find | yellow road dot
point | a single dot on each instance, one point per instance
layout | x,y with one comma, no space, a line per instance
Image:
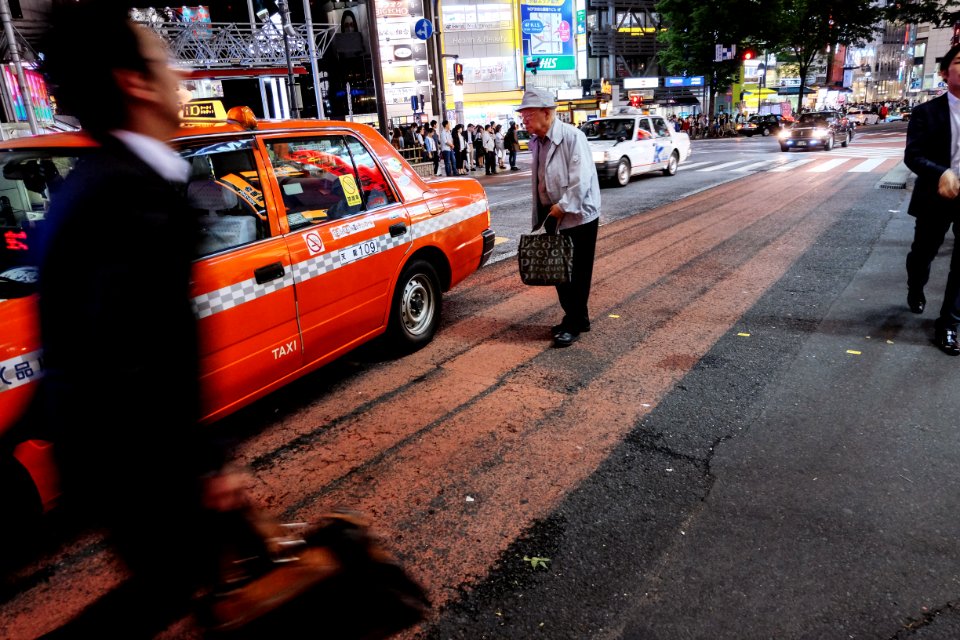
743,335
613,315
500,240
852,352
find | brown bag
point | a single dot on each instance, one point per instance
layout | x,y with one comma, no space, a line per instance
333,576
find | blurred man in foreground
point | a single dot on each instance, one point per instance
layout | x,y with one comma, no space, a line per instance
120,391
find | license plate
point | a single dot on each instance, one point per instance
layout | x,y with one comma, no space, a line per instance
357,251
801,143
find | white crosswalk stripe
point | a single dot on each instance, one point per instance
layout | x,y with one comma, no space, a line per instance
722,166
828,165
868,165
794,164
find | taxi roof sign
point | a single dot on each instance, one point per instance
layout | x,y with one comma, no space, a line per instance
203,112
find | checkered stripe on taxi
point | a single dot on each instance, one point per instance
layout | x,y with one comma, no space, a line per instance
208,304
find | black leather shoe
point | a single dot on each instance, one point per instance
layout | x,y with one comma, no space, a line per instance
560,328
916,301
946,341
567,338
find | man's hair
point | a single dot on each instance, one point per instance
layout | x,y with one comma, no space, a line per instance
948,57
445,122
82,47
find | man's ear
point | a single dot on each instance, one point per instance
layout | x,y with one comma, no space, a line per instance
134,84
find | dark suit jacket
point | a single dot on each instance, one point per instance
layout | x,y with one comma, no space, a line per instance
928,155
120,387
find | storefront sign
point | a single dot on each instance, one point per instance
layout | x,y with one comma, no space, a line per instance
554,45
683,81
641,83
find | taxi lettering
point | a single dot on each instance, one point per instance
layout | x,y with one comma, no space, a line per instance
285,350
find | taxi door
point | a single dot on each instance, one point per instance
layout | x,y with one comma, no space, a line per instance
643,147
663,141
347,234
242,282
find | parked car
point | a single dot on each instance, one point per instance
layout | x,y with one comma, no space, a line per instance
862,116
765,125
523,139
628,145
817,130
316,237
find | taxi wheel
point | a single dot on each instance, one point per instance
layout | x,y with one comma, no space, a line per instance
828,146
672,163
623,173
415,314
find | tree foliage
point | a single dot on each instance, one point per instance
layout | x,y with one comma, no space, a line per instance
802,29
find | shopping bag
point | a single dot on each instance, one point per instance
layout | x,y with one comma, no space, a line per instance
545,259
333,576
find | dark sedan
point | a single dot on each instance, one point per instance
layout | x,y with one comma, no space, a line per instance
817,130
764,125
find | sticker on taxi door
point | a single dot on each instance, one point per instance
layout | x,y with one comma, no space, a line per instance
358,251
350,190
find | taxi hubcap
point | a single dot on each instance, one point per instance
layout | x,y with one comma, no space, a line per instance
622,172
417,308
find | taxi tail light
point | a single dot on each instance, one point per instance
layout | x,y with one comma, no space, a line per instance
242,116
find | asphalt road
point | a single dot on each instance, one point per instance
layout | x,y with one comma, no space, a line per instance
757,439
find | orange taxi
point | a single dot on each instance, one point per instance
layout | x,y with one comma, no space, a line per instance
317,237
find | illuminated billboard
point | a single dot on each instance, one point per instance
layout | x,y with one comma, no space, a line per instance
547,34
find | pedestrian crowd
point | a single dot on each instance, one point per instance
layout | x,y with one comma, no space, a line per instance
460,149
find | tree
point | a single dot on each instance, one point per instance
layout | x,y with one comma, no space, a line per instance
694,29
807,28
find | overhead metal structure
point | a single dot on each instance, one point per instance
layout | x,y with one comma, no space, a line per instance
219,45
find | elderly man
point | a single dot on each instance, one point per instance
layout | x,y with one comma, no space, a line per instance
566,199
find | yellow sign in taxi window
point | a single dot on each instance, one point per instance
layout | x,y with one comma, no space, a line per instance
350,190
204,111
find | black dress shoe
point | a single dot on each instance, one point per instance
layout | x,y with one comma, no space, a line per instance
567,338
946,340
916,301
560,328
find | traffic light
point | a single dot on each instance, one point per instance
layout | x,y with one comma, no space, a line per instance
748,54
457,73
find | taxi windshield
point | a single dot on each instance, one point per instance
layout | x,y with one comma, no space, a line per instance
613,129
28,179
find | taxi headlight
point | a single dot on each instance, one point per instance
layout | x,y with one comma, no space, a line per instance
599,156
820,133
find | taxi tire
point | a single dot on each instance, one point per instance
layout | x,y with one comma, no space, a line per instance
415,312
829,145
622,178
672,164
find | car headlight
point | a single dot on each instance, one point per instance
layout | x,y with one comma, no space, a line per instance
820,133
599,156
784,133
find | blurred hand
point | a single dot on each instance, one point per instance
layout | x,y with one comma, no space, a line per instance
949,184
556,212
226,491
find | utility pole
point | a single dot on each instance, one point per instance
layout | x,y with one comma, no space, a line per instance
291,86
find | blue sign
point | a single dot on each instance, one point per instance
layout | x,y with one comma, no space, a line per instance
414,104
423,29
532,27
549,30
682,81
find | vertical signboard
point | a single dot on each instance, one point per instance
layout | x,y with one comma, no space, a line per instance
481,33
403,57
42,109
547,28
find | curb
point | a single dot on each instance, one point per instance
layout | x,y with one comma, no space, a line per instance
896,178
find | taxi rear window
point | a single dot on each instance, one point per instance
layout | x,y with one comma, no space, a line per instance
28,181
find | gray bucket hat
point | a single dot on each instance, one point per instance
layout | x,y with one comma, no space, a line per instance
534,98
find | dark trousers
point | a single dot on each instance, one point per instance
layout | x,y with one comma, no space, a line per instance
449,162
491,162
435,156
575,294
513,158
927,238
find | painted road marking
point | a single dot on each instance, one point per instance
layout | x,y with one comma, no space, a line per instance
828,165
868,165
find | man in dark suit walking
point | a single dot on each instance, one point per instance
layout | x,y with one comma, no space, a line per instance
933,153
120,392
